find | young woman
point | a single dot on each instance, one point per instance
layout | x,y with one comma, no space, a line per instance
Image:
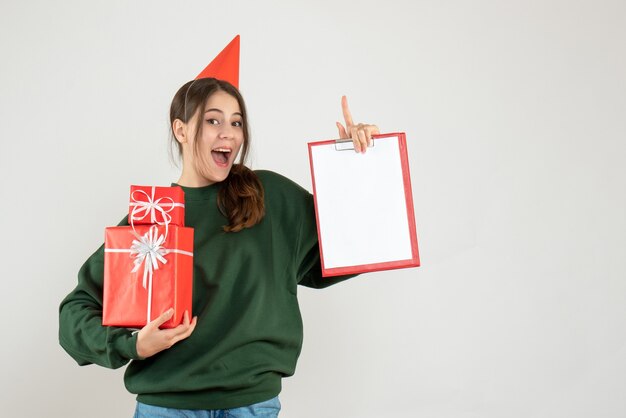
255,241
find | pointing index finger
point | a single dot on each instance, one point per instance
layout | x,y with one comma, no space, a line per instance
346,112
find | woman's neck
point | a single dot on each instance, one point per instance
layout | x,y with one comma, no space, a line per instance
192,180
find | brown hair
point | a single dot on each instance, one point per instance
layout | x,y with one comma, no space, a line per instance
240,199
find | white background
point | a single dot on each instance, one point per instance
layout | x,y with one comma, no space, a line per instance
515,118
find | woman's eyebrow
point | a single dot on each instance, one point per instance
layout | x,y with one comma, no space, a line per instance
218,110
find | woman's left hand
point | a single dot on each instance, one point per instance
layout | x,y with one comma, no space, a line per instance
360,133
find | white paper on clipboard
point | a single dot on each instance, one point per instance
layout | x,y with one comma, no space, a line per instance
364,206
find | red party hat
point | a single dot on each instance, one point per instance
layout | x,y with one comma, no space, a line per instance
226,65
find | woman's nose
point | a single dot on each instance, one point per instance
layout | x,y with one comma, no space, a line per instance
226,132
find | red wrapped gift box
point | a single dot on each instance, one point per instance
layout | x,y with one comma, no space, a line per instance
156,205
147,271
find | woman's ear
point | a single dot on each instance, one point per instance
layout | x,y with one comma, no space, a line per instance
180,131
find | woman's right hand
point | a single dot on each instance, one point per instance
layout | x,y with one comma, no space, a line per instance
151,339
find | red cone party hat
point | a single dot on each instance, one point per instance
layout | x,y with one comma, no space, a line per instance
226,65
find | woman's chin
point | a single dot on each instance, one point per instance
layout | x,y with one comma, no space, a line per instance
218,175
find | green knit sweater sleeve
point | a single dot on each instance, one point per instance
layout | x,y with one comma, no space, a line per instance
81,332
293,207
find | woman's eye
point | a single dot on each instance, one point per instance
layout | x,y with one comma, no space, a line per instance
238,124
212,121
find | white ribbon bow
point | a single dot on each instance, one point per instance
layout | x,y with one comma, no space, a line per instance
141,208
148,251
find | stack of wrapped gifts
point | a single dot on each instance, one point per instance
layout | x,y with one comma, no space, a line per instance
148,266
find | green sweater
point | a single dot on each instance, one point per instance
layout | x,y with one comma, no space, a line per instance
249,330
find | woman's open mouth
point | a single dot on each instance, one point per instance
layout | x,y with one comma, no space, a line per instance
221,156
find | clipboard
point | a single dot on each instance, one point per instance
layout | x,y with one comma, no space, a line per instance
363,205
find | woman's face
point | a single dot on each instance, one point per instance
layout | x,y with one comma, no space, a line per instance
221,137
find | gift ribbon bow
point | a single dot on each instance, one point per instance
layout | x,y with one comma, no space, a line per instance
148,251
143,207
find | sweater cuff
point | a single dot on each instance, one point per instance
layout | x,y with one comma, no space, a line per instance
126,345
